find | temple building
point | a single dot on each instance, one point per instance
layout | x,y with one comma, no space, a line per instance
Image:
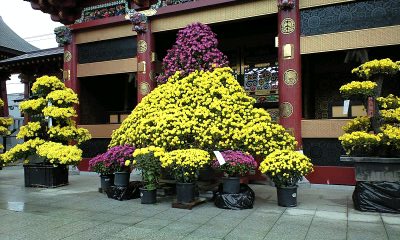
291,56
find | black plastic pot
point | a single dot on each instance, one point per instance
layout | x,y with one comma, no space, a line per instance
185,192
231,184
148,196
287,196
40,175
106,181
121,179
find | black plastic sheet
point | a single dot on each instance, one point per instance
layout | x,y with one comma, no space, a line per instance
236,201
132,191
381,197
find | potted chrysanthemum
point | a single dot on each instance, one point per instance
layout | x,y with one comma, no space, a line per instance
118,155
147,160
285,168
237,164
185,165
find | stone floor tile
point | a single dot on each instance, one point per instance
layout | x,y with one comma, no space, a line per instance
366,231
362,217
391,218
327,229
299,211
153,223
134,233
211,231
331,215
393,231
290,227
181,228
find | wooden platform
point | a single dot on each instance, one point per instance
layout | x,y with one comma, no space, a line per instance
188,206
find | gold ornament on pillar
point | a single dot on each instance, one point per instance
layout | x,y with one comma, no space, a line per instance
286,109
67,56
288,26
144,88
290,77
142,46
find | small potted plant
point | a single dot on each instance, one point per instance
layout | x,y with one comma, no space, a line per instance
185,165
147,160
105,167
285,168
118,155
237,164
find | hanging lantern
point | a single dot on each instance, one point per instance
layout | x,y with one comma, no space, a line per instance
286,4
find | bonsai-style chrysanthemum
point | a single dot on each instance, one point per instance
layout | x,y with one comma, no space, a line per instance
195,49
51,130
205,110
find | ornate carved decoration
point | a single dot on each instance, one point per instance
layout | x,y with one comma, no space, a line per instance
141,46
290,77
63,35
286,4
350,16
115,8
144,88
286,109
288,26
67,56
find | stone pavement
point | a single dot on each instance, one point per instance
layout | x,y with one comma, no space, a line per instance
78,211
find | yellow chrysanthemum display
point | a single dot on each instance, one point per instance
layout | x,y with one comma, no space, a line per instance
362,124
391,137
46,84
33,105
185,163
30,130
147,160
383,66
355,88
205,110
360,143
67,133
63,98
52,130
389,102
5,122
286,167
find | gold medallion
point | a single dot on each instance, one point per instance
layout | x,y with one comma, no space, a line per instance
144,88
290,77
142,46
67,56
286,109
288,26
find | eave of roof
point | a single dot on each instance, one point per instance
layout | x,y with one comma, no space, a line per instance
11,42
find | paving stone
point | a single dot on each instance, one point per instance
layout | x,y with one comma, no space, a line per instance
181,228
172,214
98,231
290,227
362,217
391,218
153,223
134,233
393,231
331,215
366,231
298,211
327,229
128,219
211,231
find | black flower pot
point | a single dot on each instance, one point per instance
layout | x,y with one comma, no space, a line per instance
121,179
185,192
287,196
231,184
43,175
106,181
148,196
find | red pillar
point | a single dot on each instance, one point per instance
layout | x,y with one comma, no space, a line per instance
4,97
290,99
70,69
145,62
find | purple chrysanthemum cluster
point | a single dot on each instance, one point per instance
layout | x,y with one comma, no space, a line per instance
111,161
195,49
237,163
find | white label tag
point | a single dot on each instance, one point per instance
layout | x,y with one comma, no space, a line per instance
220,158
346,105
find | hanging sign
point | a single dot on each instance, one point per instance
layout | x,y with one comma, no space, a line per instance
346,105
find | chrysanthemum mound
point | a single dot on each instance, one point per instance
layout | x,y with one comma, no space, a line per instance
205,110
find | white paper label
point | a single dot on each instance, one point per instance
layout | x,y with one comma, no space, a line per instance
346,104
220,158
